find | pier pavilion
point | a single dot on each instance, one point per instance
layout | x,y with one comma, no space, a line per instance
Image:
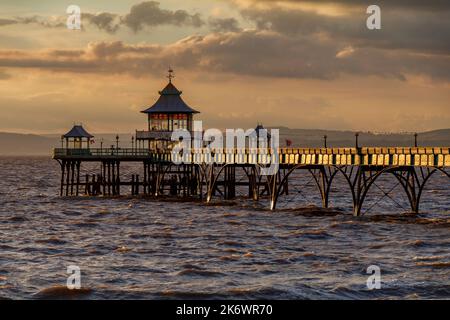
76,136
167,114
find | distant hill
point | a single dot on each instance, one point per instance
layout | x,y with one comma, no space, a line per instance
31,144
14,144
314,138
25,144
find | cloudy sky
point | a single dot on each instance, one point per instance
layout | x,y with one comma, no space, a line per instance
300,64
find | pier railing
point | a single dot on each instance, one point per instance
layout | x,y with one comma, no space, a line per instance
67,152
433,156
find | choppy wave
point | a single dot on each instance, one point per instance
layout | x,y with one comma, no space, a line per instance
140,248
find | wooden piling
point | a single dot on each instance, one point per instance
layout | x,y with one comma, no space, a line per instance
67,178
137,184
78,164
109,177
72,177
86,185
63,165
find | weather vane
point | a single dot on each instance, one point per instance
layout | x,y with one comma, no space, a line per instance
170,76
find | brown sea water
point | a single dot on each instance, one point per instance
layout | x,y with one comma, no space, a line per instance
146,249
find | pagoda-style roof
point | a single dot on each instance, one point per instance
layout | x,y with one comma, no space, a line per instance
170,101
78,132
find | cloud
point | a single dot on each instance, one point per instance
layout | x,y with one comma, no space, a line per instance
433,5
224,25
428,5
104,21
426,32
7,22
144,14
250,52
150,14
52,22
346,52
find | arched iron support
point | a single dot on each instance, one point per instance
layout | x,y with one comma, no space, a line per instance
421,186
212,181
409,185
252,175
409,189
160,178
363,189
347,177
323,183
414,185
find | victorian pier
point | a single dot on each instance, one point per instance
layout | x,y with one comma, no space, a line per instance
206,173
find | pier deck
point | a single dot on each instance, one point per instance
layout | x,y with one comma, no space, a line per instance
402,156
205,173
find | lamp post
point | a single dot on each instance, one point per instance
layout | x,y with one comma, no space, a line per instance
117,142
132,143
101,144
356,140
415,140
62,142
325,140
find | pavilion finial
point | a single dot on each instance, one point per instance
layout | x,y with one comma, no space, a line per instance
170,76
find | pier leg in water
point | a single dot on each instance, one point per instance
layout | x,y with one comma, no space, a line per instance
137,185
63,165
78,178
86,185
72,177
103,169
272,183
67,178
210,183
145,182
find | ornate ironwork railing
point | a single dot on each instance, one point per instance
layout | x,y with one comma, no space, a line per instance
67,152
432,157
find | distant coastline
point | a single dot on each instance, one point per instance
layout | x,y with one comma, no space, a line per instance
16,144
